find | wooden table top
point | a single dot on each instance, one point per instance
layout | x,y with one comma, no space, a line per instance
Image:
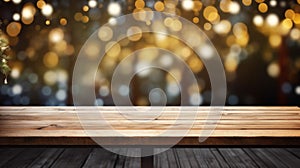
244,125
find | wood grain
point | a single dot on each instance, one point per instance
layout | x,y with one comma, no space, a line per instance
274,125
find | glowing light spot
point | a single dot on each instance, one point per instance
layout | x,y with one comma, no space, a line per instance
40,4
207,26
123,90
159,6
247,2
187,4
15,73
17,1
16,17
289,14
297,90
92,3
114,9
196,20
47,10
275,40
287,24
13,29
17,89
63,21
134,33
61,95
263,8
223,27
272,20
56,35
176,25
295,34
234,7
196,99
206,51
104,91
85,8
47,22
173,89
105,33
273,70
139,4
273,3
50,59
258,20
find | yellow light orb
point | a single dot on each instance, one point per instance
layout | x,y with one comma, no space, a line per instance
105,33
134,33
295,34
196,20
263,7
207,26
139,4
50,60
85,8
159,6
273,70
275,40
247,2
63,21
13,29
56,35
290,14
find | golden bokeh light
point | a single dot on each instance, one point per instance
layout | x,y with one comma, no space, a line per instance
263,7
50,59
105,33
13,29
40,4
223,27
196,20
275,40
63,21
56,35
159,6
85,8
134,33
247,2
290,14
139,4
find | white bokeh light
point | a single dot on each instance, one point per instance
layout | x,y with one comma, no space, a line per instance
187,4
114,9
47,10
92,3
272,20
258,20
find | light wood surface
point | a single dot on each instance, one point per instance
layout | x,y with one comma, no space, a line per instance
122,126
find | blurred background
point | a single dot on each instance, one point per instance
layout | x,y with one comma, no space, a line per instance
257,40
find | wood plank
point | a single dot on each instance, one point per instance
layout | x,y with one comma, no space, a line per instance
72,157
258,161
7,154
285,157
268,158
100,158
205,158
237,157
222,162
46,158
24,158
